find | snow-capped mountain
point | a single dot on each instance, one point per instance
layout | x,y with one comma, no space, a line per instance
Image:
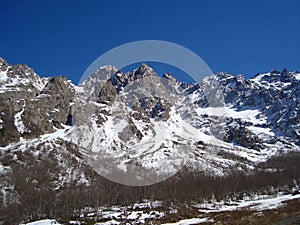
139,123
138,128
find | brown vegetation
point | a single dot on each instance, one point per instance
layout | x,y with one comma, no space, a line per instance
35,180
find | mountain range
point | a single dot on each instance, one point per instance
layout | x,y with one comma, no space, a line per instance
138,128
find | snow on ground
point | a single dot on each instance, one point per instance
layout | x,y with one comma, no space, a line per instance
261,130
119,214
44,222
111,222
59,133
147,204
257,79
133,214
259,203
23,144
297,76
21,82
190,221
18,120
3,76
249,115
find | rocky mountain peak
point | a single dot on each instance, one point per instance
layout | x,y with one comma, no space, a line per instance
278,78
19,77
20,70
39,104
101,74
108,69
107,93
143,71
3,64
56,85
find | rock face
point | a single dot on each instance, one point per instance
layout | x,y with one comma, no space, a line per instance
276,94
31,105
107,94
240,135
51,108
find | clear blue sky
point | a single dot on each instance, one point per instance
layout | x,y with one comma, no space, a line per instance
64,37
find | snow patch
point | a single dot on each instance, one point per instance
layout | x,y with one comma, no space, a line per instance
190,221
18,120
44,222
261,130
259,203
3,76
111,222
249,115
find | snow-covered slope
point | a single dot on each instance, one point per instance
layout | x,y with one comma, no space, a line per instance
138,123
141,123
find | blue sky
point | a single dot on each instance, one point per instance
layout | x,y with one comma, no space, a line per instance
237,36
